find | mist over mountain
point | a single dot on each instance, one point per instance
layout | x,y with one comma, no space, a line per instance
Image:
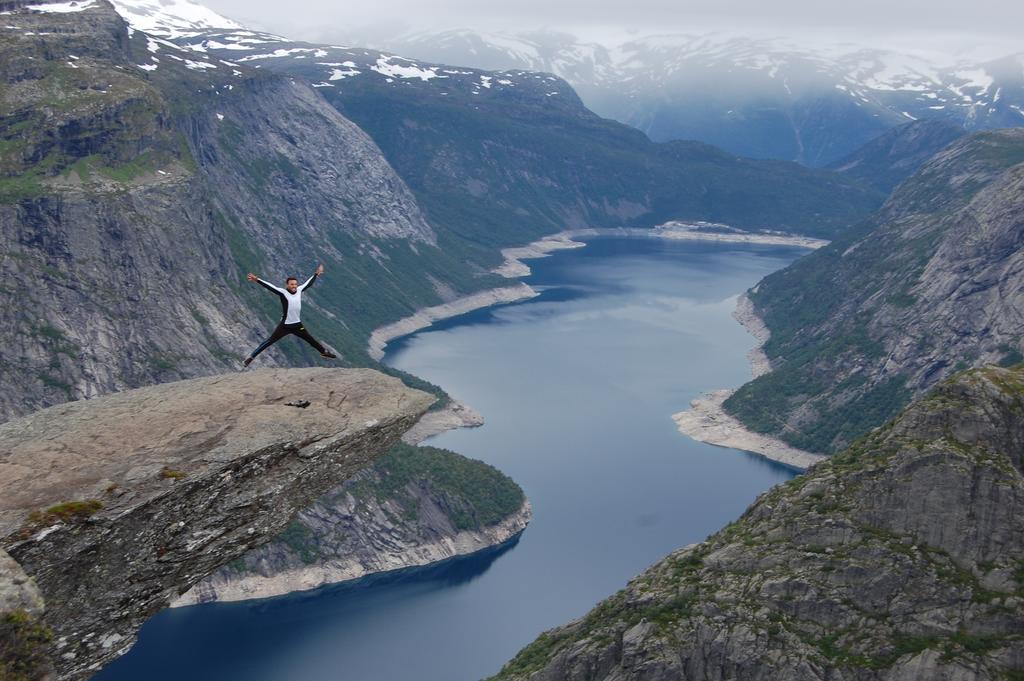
764,97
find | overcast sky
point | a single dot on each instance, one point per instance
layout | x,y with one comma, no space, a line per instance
925,23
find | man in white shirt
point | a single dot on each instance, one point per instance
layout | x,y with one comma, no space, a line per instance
291,307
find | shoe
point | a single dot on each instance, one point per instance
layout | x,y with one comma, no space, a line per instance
329,355
247,361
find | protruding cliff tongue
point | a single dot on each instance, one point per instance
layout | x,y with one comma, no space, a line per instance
116,505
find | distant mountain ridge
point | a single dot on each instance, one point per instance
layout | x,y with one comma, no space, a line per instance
761,97
895,155
757,97
502,157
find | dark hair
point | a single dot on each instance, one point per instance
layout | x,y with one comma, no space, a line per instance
295,279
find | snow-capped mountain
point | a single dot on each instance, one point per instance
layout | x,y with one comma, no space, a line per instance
758,97
218,41
753,96
499,157
170,18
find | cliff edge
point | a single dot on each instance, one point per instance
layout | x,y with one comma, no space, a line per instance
117,505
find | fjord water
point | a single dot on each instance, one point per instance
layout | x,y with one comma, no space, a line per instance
577,387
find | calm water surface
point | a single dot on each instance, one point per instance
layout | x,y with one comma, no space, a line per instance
578,387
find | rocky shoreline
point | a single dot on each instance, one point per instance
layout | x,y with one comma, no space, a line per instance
423,318
351,567
454,415
706,420
513,267
676,230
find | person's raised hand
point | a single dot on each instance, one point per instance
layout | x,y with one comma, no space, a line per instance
320,269
251,277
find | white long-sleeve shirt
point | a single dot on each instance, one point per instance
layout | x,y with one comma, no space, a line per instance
291,303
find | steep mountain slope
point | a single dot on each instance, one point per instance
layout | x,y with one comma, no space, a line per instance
931,284
900,558
138,183
503,157
414,506
754,96
895,155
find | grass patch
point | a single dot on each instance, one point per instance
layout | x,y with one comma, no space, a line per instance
488,496
301,540
168,473
23,647
69,512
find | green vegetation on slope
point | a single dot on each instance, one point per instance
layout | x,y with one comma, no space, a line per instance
470,493
836,314
896,154
23,647
510,168
487,495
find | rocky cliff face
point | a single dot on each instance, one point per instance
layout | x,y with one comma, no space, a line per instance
414,506
139,183
117,505
899,558
930,285
502,157
895,155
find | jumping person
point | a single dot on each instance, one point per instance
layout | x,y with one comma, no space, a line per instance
291,306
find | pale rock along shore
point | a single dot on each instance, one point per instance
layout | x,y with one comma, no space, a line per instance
513,267
454,415
680,231
423,318
707,421
355,566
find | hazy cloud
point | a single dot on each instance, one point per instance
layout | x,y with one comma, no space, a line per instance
926,23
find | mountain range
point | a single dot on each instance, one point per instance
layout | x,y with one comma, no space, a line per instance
152,153
763,97
140,179
499,155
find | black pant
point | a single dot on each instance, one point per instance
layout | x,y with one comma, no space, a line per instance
283,330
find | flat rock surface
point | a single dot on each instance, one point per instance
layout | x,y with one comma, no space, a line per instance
80,450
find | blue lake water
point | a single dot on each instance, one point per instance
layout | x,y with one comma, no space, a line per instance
578,387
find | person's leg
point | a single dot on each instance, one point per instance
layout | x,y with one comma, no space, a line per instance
279,333
306,336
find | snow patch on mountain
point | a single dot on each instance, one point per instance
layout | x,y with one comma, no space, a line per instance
338,74
170,18
62,7
412,70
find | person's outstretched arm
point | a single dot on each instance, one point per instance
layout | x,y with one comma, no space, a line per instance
264,284
309,282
